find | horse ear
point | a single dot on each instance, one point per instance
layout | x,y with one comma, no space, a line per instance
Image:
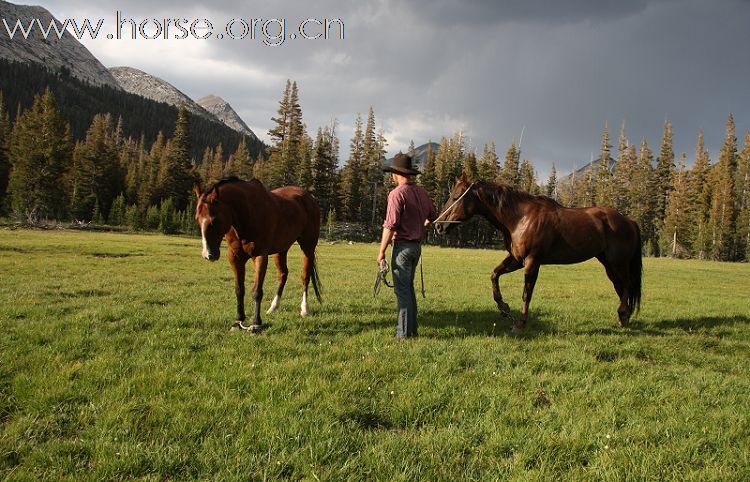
197,189
463,178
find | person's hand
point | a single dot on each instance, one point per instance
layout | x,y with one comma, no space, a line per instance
427,222
381,257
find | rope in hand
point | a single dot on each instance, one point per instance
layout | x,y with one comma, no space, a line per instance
382,277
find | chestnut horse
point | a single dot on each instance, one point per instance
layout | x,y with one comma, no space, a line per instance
257,223
538,230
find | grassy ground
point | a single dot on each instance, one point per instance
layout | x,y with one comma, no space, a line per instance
116,362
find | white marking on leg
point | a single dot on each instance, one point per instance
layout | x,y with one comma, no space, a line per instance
274,304
303,306
203,238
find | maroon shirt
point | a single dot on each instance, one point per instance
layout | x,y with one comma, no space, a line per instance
408,207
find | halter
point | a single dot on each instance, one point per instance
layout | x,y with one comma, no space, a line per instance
451,206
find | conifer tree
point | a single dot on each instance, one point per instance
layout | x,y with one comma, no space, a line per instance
621,174
604,191
742,195
242,165
470,166
663,178
5,129
286,137
642,202
700,199
351,175
551,188
677,227
723,219
40,154
305,169
324,162
176,174
510,172
148,190
527,177
428,179
488,168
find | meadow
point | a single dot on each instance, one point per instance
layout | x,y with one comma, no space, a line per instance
116,362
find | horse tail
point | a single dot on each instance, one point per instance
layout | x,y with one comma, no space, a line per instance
636,273
315,279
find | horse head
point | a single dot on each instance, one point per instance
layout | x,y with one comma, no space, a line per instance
460,206
214,220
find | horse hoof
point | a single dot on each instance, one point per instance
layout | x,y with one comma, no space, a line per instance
255,328
504,308
516,328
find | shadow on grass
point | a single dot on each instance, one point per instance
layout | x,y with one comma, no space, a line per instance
668,327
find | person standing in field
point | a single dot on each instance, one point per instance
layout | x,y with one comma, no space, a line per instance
409,210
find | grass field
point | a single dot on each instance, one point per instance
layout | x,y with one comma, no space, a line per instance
116,362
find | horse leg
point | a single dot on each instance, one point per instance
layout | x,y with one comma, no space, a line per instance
619,277
307,274
283,271
508,265
238,266
261,264
530,275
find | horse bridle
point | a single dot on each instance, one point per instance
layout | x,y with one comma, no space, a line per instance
451,206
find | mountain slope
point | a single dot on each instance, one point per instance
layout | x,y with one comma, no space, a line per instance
64,55
224,112
151,87
420,154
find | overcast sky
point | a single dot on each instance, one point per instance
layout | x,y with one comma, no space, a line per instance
429,67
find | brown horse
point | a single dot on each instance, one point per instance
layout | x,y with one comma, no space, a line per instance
538,230
257,223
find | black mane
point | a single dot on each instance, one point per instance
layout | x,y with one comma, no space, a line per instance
225,180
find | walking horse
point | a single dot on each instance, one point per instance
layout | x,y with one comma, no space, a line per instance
256,224
538,230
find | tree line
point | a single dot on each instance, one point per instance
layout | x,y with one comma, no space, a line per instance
108,177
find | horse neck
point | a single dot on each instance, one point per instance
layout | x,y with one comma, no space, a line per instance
497,212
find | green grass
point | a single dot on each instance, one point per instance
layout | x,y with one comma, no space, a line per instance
116,362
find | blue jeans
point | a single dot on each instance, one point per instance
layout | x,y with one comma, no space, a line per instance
404,265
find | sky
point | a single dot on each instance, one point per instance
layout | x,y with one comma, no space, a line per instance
557,69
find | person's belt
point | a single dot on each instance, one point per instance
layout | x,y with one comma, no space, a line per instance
407,241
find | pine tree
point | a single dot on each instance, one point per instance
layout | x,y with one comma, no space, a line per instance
551,188
133,218
95,174
626,158
470,166
488,168
351,175
117,212
723,219
40,155
176,174
527,177
286,137
5,129
510,172
428,179
242,165
324,162
742,195
642,199
304,171
372,167
700,199
677,226
604,192
148,192
663,178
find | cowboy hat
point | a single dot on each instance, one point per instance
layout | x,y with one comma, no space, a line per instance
401,164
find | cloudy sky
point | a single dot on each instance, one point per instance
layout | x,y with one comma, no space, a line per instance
430,67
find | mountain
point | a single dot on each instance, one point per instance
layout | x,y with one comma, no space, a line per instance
151,87
65,55
590,166
224,112
420,154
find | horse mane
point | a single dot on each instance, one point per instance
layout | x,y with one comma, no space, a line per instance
227,180
501,194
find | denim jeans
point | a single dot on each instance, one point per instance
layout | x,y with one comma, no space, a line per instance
404,265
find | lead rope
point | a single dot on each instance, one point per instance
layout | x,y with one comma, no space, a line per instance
421,276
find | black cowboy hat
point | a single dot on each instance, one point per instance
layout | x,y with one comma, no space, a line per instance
401,164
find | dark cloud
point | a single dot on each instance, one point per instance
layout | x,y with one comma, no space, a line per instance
429,67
